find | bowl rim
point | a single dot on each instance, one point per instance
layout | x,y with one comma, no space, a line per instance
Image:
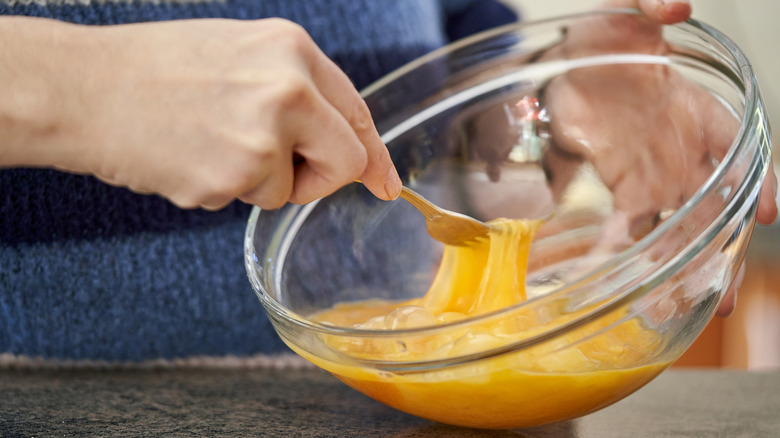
754,174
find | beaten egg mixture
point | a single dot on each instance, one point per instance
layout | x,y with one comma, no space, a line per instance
564,377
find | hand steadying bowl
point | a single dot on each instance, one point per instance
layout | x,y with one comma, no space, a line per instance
653,211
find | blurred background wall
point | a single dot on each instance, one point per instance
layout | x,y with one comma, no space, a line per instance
750,338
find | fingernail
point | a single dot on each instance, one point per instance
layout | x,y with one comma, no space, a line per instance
393,184
686,4
673,11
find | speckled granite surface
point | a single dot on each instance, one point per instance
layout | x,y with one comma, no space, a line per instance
310,403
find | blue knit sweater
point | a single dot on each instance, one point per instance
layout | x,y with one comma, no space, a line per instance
90,271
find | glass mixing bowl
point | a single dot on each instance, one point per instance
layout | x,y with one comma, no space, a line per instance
638,244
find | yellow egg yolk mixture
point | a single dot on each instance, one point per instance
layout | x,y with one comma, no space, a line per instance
566,376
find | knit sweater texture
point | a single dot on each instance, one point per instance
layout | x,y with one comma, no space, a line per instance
94,272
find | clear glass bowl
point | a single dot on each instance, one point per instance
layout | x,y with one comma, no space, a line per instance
617,287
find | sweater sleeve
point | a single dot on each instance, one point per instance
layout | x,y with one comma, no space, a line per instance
467,17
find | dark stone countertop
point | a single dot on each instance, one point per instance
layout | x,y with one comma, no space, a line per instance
310,403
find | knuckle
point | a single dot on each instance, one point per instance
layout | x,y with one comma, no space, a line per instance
291,36
360,118
272,202
294,91
213,191
265,198
185,201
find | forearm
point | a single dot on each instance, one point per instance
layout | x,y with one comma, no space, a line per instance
33,66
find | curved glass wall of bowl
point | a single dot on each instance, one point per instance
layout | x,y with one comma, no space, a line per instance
452,120
426,114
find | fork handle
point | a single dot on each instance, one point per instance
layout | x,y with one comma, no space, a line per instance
430,211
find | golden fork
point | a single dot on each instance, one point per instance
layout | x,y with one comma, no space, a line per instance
446,226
